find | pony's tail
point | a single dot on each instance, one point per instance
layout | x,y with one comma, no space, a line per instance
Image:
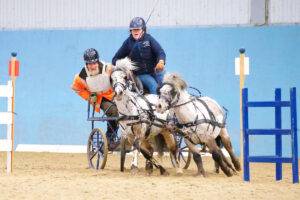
160,144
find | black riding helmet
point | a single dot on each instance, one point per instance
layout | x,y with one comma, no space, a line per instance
91,56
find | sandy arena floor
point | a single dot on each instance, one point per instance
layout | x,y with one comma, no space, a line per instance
65,176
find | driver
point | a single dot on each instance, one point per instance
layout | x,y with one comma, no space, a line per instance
146,53
93,84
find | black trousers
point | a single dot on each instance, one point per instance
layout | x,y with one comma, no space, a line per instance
111,111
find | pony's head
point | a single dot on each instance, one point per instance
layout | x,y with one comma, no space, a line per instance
169,92
122,72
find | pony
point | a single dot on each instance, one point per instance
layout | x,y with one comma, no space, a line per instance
138,119
201,120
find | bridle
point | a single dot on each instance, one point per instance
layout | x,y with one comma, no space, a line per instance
127,84
173,97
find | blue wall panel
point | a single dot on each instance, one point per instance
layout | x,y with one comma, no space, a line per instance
48,112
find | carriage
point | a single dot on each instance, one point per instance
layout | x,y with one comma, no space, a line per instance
98,144
142,115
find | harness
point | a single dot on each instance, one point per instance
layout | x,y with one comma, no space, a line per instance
212,119
150,119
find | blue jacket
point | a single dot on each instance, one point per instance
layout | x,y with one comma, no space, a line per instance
145,52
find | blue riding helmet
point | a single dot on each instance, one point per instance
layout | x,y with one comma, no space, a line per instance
137,23
91,56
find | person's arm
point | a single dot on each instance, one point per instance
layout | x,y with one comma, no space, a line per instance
80,87
157,50
122,52
159,53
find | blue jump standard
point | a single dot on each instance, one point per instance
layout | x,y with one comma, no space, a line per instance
277,131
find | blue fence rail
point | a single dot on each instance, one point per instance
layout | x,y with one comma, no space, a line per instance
277,131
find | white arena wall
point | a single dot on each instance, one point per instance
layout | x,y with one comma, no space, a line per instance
81,14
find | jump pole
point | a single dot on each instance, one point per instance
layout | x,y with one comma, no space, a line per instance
13,71
242,83
241,69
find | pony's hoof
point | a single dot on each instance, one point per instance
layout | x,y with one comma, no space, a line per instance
165,173
229,173
134,169
179,172
149,172
217,171
200,175
237,166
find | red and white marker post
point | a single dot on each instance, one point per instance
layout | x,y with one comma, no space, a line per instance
13,71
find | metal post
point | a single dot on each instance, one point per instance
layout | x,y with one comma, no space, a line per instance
278,137
294,135
246,166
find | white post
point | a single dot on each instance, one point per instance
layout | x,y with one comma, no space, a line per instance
9,130
241,69
6,118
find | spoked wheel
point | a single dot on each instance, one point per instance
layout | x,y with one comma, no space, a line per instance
184,155
97,149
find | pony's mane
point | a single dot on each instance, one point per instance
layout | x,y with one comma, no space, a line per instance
176,80
125,64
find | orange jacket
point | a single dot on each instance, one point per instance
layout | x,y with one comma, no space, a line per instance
80,87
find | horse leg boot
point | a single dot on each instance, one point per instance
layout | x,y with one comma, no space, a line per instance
217,156
171,144
227,144
196,156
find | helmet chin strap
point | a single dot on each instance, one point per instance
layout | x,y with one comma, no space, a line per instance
140,35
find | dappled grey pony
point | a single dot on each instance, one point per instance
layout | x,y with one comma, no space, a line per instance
140,121
201,120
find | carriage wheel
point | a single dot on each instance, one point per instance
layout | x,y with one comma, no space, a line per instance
184,155
97,149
